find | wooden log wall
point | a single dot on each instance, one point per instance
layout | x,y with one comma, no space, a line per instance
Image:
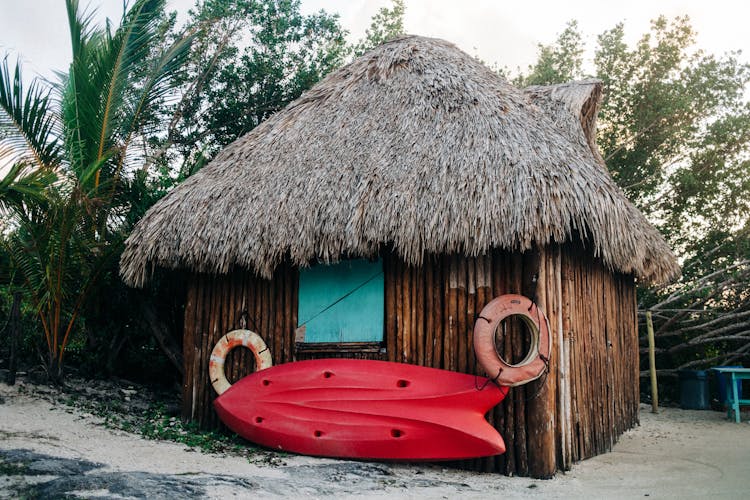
216,305
589,397
600,341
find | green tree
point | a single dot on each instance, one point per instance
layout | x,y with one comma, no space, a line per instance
674,130
557,63
385,25
249,59
87,130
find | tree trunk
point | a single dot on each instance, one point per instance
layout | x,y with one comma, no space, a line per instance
14,332
54,370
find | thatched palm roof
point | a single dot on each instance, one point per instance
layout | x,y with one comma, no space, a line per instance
415,145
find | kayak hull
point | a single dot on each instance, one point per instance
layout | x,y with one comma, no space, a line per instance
364,409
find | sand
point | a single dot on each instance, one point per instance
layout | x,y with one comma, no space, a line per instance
674,454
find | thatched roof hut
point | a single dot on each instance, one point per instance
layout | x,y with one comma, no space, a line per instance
464,187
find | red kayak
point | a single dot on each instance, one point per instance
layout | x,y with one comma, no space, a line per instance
365,409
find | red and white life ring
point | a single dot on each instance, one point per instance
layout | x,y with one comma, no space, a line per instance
235,338
535,363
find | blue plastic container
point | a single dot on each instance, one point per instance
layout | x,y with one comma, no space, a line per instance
694,394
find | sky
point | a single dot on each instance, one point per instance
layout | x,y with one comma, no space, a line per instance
501,33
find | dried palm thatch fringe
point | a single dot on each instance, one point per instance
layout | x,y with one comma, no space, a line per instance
415,145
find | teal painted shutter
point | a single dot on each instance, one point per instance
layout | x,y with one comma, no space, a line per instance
358,317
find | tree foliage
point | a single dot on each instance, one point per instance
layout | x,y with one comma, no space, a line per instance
386,24
249,59
142,106
557,63
84,134
674,130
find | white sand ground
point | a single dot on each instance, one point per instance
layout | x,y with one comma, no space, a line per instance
675,454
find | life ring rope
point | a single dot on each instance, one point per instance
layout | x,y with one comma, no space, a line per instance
233,339
536,361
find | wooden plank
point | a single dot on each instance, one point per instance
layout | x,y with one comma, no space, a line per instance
471,313
290,322
565,336
391,314
461,310
445,310
201,323
438,310
521,274
276,316
405,333
414,351
210,340
232,368
453,292
540,407
188,346
339,347
429,311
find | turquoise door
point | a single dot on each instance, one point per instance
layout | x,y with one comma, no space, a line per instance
343,302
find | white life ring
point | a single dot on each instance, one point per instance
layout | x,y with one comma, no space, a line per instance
235,338
536,361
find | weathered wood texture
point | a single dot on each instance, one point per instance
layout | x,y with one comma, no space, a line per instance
218,304
588,398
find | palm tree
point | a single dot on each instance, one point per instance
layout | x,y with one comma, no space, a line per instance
73,148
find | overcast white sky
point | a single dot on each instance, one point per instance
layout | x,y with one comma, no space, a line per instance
498,31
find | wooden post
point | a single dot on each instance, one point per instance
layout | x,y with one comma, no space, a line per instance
652,363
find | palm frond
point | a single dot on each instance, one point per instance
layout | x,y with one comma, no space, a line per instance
157,84
22,185
96,95
126,49
29,128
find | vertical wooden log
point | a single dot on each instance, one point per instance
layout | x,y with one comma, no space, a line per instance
429,311
399,269
461,310
210,340
438,312
406,325
471,313
203,341
267,319
391,316
276,314
257,306
652,363
290,305
447,318
282,311
419,311
417,328
635,373
567,394
188,347
242,313
200,331
522,272
239,317
227,320
541,407
451,349
591,355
